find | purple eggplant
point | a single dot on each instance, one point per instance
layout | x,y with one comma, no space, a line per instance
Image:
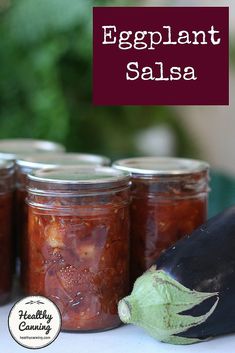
188,295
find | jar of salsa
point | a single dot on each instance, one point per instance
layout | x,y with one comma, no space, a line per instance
6,203
13,147
26,165
78,247
168,201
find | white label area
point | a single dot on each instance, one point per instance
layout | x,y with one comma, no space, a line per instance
34,322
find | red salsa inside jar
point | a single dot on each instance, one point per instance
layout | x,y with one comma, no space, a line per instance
6,251
27,164
78,243
168,201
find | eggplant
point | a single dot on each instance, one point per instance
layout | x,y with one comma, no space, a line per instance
188,295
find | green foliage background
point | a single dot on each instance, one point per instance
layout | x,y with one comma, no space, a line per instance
46,87
46,83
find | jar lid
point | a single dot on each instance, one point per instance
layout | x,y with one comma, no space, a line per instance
7,168
18,146
6,164
161,166
48,160
76,177
8,156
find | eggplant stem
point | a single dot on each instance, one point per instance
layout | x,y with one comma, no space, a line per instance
124,311
157,303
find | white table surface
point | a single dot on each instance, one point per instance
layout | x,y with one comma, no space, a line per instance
125,339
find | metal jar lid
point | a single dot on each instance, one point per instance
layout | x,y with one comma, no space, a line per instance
6,165
18,146
7,172
76,178
50,160
161,166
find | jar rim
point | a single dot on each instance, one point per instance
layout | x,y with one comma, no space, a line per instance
24,145
84,176
50,160
6,164
161,166
8,156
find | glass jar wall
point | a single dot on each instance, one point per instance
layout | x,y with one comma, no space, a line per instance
28,164
6,219
78,243
168,201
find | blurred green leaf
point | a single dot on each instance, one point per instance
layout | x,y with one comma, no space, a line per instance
29,21
46,83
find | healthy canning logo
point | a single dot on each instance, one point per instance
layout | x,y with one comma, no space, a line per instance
34,322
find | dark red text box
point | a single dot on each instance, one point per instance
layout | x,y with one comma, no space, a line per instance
209,61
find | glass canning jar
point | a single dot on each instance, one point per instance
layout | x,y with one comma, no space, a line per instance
6,204
13,147
168,201
78,243
28,164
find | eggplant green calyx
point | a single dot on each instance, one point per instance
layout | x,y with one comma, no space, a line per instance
156,304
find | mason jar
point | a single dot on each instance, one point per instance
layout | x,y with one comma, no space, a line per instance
168,201
14,147
6,207
26,165
78,243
